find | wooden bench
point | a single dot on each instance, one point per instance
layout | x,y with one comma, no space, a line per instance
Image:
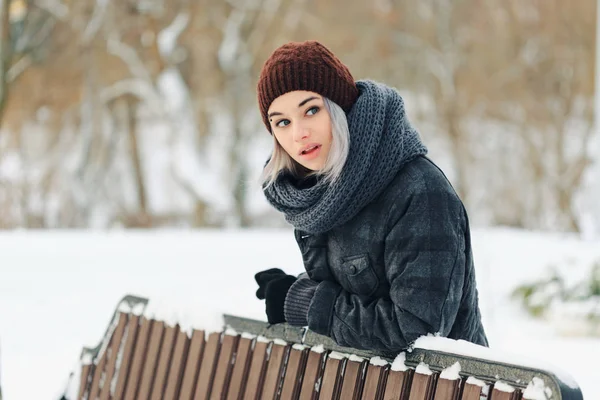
142,358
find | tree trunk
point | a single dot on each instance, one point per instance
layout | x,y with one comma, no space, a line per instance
460,151
238,146
136,157
5,54
126,108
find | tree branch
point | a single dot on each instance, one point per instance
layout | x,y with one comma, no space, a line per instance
92,28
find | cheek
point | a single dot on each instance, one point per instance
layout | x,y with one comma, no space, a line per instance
284,143
323,127
329,132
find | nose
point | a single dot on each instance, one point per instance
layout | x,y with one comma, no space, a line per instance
301,133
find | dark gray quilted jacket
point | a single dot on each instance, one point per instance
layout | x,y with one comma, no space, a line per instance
401,268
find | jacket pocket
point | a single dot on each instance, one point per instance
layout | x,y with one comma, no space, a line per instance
361,277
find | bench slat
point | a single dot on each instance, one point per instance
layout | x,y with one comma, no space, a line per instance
207,368
447,389
240,369
273,374
112,352
422,386
500,395
361,380
471,392
313,371
97,372
137,365
294,373
150,361
128,350
374,382
224,367
397,385
331,379
256,371
353,380
164,362
85,371
192,364
174,379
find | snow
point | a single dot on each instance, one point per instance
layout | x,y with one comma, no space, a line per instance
503,387
378,362
167,39
72,388
230,332
536,390
474,381
423,369
465,348
355,358
451,373
399,363
318,349
59,291
337,355
246,335
262,339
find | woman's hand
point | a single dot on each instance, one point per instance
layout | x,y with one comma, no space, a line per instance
273,285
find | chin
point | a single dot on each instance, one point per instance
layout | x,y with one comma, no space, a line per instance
313,167
309,167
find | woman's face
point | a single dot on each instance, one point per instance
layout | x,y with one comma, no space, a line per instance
302,126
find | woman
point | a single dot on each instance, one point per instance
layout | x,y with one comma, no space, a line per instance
384,238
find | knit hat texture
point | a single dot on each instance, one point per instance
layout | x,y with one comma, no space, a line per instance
306,66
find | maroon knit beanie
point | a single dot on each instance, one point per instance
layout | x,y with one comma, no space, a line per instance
306,66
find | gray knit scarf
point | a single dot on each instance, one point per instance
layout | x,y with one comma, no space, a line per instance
382,141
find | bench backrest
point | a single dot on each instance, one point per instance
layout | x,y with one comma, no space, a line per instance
142,358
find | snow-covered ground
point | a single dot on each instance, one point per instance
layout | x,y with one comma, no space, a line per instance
58,290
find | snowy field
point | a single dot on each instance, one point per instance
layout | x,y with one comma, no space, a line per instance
59,289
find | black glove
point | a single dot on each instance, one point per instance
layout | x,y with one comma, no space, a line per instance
273,285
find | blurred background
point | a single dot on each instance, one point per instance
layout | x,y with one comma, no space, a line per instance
138,116
143,113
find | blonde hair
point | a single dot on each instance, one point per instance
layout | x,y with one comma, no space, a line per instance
338,153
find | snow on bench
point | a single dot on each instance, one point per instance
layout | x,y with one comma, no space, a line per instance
141,357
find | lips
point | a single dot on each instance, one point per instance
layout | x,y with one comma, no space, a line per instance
309,149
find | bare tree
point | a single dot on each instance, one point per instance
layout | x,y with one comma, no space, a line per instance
236,37
543,95
5,52
510,88
25,36
505,89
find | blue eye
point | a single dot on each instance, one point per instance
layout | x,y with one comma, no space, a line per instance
313,110
278,124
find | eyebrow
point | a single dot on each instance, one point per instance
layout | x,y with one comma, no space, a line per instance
303,102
